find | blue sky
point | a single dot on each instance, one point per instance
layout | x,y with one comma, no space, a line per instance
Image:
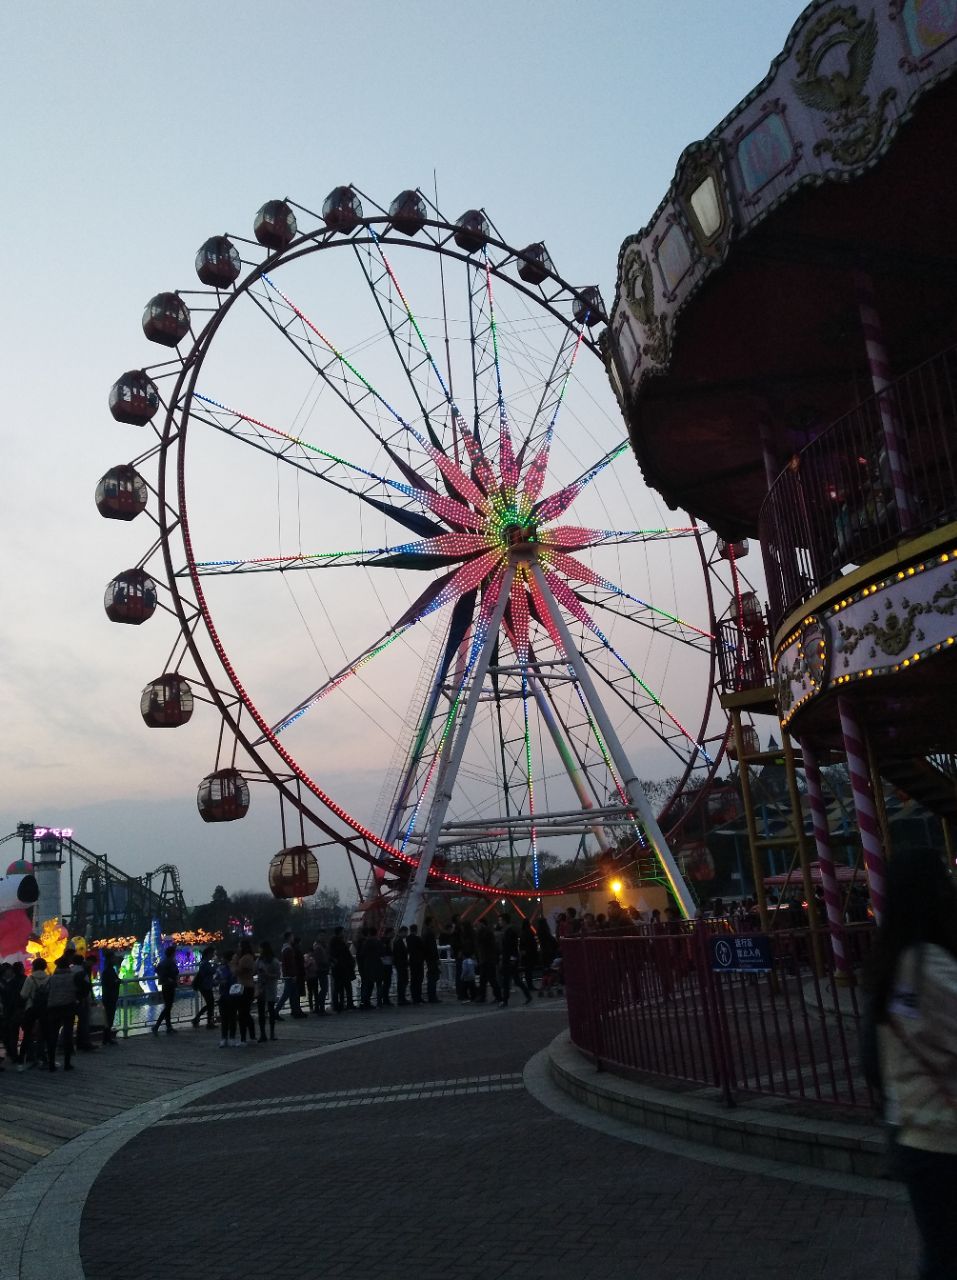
132,133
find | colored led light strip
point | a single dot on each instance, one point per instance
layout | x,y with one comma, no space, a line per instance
446,544
578,572
506,454
535,476
447,508
567,597
551,507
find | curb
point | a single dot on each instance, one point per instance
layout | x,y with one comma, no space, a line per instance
699,1116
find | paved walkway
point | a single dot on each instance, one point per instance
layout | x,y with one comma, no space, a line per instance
391,1146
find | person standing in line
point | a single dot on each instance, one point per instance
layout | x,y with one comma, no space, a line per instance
80,968
312,980
203,985
268,974
33,994
12,978
290,990
468,964
227,1001
384,984
510,962
109,994
320,956
431,944
167,971
416,949
455,942
368,953
912,984
244,968
342,969
300,963
486,951
62,997
400,961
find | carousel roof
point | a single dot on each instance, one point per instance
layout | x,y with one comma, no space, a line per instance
735,312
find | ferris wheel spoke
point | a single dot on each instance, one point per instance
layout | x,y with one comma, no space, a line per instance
569,601
573,538
575,571
538,468
551,507
446,508
457,479
430,553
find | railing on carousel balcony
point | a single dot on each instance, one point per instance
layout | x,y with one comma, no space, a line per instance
835,507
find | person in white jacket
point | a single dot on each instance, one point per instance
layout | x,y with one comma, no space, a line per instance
913,982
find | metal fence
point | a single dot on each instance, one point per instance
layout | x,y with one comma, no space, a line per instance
655,1004
837,504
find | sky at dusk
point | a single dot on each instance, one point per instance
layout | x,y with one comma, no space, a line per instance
133,133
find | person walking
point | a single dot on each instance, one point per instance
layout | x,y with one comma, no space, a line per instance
416,950
528,953
109,994
486,952
244,969
510,961
33,995
204,985
430,943
912,984
268,975
290,978
400,962
167,972
227,1001
312,980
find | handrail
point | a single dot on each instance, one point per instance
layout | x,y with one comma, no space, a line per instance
833,507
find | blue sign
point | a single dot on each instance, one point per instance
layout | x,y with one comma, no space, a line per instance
741,953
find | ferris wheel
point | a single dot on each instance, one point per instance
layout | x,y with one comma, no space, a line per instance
409,558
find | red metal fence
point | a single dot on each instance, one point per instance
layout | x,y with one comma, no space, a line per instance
835,504
653,1004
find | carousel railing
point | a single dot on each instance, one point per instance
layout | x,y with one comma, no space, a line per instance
884,472
659,1005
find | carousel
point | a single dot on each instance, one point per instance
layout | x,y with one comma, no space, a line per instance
782,344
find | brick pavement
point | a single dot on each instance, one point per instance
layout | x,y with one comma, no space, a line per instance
268,1179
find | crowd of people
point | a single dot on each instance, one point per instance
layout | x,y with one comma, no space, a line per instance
244,989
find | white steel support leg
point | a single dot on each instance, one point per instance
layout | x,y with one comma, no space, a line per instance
633,789
572,767
440,806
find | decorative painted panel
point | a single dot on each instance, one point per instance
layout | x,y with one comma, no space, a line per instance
907,617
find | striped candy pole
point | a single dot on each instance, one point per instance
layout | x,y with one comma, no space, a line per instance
881,378
822,840
864,805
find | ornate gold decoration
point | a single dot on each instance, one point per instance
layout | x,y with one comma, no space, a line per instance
892,635
638,289
840,95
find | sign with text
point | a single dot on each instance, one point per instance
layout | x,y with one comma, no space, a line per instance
741,953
